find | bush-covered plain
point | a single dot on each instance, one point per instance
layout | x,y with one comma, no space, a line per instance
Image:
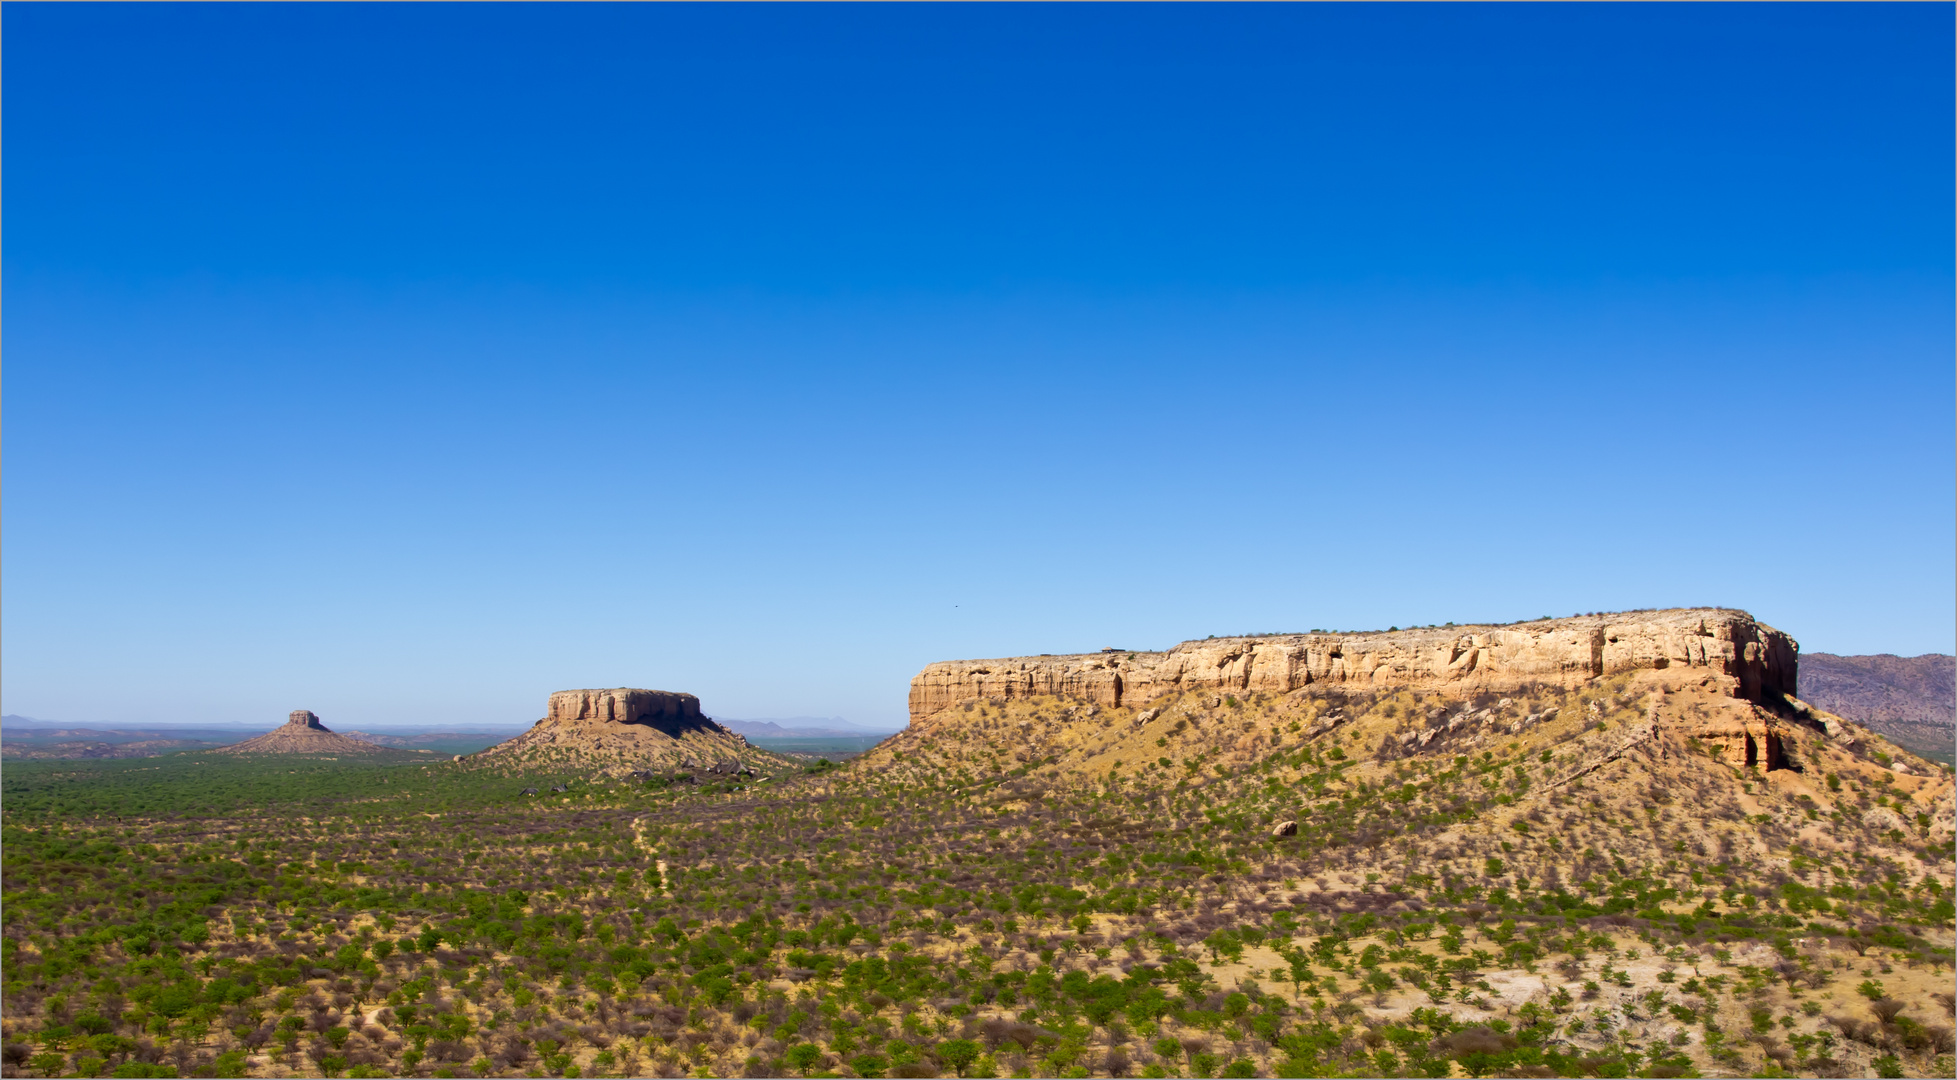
971,911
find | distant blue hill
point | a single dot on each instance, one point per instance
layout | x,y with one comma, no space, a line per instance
229,731
803,727
25,723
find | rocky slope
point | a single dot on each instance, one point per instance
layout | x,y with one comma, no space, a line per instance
302,733
1728,677
1649,776
1910,700
1707,693
623,730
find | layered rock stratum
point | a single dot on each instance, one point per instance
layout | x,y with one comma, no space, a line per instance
302,733
625,729
1755,661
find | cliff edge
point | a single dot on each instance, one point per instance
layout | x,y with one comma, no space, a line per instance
1748,659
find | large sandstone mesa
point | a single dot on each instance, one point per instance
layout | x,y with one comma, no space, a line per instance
1753,661
623,727
1733,678
302,733
1619,699
672,714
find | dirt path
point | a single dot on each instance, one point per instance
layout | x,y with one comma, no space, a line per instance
639,841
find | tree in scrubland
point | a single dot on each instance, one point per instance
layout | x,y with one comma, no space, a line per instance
959,1054
802,1057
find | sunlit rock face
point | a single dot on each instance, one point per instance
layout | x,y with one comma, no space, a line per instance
1749,660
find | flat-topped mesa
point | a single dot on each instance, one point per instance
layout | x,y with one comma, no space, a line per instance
673,714
621,729
1755,662
302,733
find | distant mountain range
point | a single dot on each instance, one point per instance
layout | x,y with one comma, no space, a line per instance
28,723
800,727
233,731
1911,701
21,730
428,738
50,749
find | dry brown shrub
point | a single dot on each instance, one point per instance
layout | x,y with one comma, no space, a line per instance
1475,1040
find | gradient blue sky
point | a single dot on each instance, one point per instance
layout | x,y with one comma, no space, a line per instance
407,363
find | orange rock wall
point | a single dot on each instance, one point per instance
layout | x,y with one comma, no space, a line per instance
624,706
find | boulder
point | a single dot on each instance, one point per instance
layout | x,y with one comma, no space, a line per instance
1882,819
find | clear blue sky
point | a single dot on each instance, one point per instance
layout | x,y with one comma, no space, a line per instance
407,363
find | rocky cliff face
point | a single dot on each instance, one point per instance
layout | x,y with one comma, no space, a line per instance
1750,660
669,713
1705,693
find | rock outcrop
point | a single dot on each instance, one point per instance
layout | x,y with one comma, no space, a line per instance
1750,660
1709,682
1655,708
621,730
668,713
302,733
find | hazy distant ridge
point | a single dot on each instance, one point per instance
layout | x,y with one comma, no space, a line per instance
794,727
1910,700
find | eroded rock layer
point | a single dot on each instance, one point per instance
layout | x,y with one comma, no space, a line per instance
669,713
1751,660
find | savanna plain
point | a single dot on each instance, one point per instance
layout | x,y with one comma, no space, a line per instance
1613,845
